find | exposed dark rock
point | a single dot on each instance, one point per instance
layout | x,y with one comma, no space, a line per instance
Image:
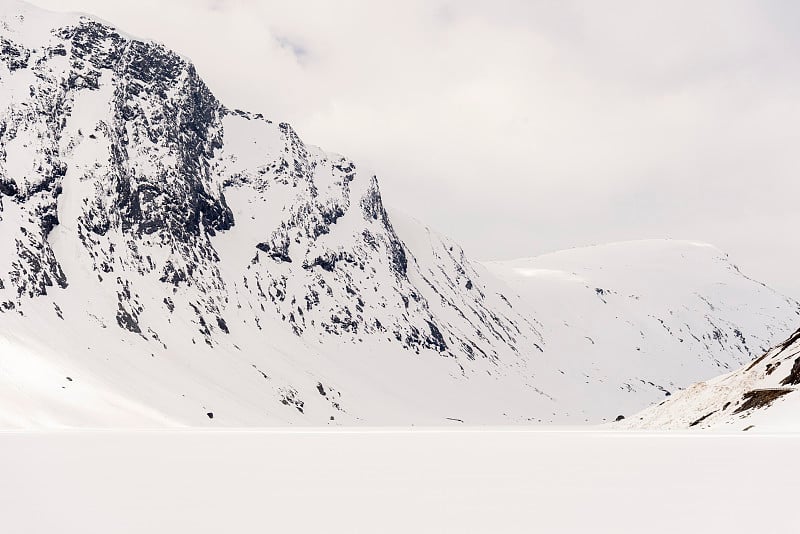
436,339
793,378
279,253
13,55
759,398
8,187
223,325
127,321
700,420
794,338
289,397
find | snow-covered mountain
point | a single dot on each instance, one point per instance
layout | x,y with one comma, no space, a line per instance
640,317
761,396
166,260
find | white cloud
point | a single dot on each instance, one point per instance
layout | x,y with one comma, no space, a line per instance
524,126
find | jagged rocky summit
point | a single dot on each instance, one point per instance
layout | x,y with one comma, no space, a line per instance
166,260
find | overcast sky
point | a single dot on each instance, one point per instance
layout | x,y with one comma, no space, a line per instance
522,127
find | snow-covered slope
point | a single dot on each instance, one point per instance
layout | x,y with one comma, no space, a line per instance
169,261
761,396
633,320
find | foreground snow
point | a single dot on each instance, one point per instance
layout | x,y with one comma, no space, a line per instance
396,481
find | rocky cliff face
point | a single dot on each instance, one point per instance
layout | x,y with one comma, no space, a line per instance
149,165
185,259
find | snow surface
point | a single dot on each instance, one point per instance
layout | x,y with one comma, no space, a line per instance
396,480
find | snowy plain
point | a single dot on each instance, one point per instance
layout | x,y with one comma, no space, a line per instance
396,480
